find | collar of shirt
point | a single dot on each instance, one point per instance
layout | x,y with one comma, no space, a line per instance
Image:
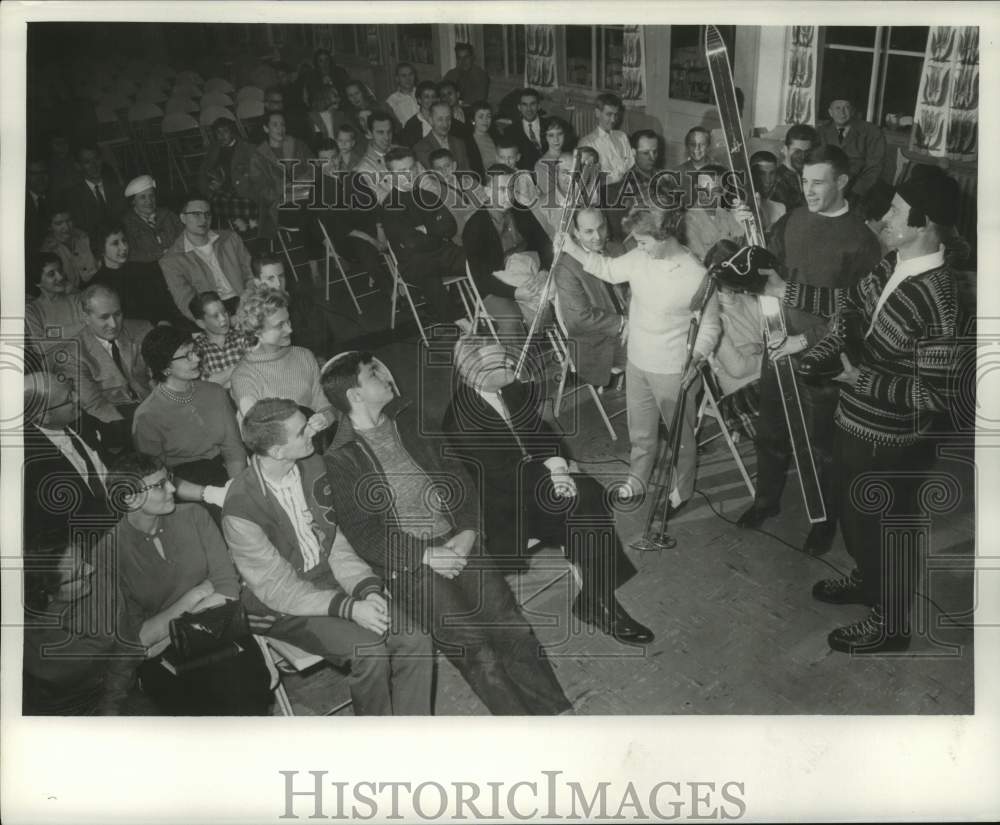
537,124
94,184
837,212
190,247
290,478
905,269
104,342
495,400
63,441
158,531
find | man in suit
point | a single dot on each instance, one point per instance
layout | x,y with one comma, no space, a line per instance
37,208
441,137
495,426
527,131
862,142
64,475
448,92
419,126
99,199
107,366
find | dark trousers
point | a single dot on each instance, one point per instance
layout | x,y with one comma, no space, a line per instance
425,270
389,675
583,526
878,507
774,450
476,623
240,686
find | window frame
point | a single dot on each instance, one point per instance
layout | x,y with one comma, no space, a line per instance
508,46
598,60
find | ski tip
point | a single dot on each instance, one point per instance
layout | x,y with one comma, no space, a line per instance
713,39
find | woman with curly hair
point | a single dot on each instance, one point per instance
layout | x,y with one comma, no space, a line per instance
273,368
559,139
665,279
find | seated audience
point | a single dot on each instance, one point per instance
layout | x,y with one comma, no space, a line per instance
327,116
481,145
592,310
710,218
98,199
419,125
862,142
527,131
53,316
494,424
800,139
697,142
346,142
220,344
323,74
187,423
612,145
764,168
140,286
559,139
305,583
403,102
460,191
471,81
448,93
273,368
37,205
149,229
71,245
361,104
426,549
107,363
224,176
203,259
441,136
172,560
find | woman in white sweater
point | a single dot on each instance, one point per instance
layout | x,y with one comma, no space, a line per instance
664,278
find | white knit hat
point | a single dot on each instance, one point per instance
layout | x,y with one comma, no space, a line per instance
139,184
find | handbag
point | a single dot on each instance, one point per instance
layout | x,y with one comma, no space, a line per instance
196,635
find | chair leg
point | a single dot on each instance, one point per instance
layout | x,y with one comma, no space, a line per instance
281,697
347,282
413,309
603,412
729,441
326,279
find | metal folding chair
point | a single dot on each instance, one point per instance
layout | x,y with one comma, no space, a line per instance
400,287
710,407
287,658
338,264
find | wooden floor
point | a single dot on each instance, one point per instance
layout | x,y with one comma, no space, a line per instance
737,631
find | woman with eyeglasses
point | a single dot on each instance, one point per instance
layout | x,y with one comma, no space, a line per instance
187,423
171,560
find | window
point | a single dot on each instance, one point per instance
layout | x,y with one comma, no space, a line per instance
876,67
593,57
348,40
504,50
416,44
689,79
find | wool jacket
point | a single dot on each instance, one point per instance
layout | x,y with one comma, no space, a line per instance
266,552
187,274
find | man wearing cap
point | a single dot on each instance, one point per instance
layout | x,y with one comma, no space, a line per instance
862,142
149,229
906,316
203,260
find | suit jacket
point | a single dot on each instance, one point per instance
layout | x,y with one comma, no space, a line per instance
55,492
484,252
864,145
529,152
36,223
592,320
87,214
187,274
423,148
413,131
401,224
99,383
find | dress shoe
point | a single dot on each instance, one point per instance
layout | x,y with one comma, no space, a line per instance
755,516
870,635
613,620
845,590
820,538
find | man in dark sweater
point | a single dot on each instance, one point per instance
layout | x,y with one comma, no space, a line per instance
906,319
417,524
822,244
419,228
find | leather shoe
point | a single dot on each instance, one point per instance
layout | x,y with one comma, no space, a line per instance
820,538
613,620
755,516
870,635
844,590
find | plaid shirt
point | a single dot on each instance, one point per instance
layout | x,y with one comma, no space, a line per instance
216,359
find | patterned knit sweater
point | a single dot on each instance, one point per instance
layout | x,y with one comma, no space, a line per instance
292,372
908,373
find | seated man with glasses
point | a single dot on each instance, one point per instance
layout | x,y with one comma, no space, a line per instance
202,260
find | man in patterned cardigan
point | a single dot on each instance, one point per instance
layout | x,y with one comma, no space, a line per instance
906,318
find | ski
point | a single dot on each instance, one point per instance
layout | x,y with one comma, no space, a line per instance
773,318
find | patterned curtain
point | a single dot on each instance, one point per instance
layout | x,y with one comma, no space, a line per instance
633,67
800,75
540,57
946,123
463,33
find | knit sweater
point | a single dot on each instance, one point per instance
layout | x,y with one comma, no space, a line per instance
660,308
822,251
178,433
291,372
907,372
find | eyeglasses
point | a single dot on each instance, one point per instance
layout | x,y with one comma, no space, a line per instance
198,214
190,355
159,485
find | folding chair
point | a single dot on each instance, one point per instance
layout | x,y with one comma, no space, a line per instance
249,93
190,77
249,115
113,136
153,93
184,105
146,123
185,90
400,287
210,114
710,407
216,99
287,658
559,339
472,301
331,253
185,147
218,84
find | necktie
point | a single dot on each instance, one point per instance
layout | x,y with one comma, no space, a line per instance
534,135
99,192
117,356
93,480
840,133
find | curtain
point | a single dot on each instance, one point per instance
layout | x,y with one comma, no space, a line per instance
463,33
540,57
946,122
633,67
799,94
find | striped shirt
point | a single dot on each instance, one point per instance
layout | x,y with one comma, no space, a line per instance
289,494
908,369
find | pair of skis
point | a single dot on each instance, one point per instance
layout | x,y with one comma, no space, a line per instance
773,319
